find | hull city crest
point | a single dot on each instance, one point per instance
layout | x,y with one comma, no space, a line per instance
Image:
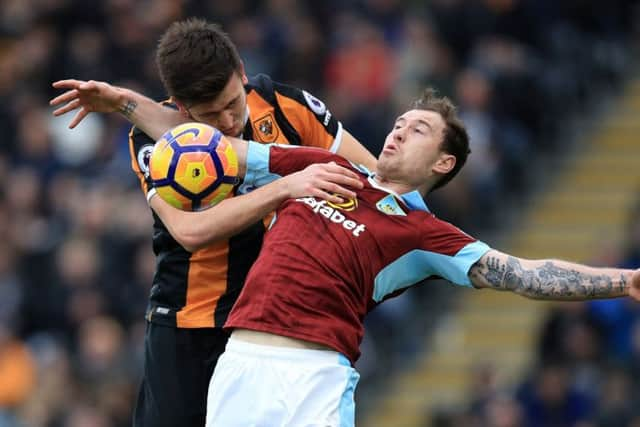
265,128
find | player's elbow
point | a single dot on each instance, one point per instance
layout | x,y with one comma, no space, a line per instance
191,239
188,245
193,242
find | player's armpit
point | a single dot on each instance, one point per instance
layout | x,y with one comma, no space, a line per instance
548,279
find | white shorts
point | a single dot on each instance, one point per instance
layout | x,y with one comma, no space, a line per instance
257,385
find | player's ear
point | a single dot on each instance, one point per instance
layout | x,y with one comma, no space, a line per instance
445,163
181,108
243,74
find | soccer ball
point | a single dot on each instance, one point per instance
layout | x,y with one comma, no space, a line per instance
193,166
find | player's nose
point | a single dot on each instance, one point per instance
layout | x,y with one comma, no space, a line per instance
398,135
226,120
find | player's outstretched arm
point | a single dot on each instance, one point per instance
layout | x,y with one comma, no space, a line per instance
552,279
352,150
86,97
194,230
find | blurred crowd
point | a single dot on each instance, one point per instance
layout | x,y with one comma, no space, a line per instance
586,370
75,248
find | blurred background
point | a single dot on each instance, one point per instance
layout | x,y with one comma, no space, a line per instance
550,93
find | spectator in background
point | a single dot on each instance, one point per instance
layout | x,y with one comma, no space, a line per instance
549,399
17,366
633,363
504,411
618,400
617,319
103,369
632,246
474,93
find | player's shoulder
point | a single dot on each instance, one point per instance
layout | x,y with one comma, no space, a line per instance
259,82
262,83
268,89
434,226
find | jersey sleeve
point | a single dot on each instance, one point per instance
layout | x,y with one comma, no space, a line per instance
140,148
310,117
445,251
268,162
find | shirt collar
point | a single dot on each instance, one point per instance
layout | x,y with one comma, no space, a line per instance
246,121
246,115
413,199
362,169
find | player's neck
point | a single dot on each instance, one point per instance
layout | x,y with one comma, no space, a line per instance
391,186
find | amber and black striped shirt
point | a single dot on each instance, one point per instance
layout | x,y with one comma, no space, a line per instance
197,290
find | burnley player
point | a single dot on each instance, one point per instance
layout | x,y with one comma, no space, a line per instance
298,323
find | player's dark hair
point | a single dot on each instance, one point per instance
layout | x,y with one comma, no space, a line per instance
195,59
456,139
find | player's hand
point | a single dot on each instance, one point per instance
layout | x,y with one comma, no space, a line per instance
327,181
634,286
86,97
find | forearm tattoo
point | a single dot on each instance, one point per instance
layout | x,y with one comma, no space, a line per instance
548,280
128,108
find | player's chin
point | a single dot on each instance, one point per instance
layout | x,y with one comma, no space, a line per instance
384,160
235,131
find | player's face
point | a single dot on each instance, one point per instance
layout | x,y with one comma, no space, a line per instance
228,111
411,152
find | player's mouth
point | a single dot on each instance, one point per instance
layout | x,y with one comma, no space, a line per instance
390,148
232,131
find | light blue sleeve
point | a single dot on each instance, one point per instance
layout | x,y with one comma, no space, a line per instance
418,265
258,173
